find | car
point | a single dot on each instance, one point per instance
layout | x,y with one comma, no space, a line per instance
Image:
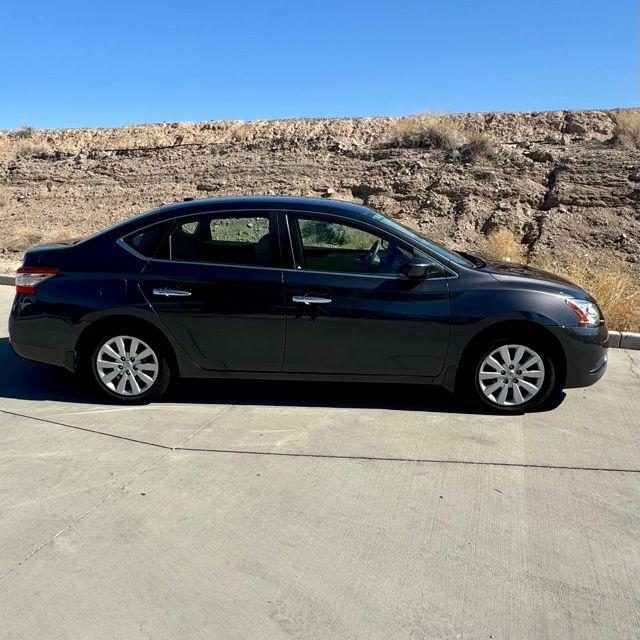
300,289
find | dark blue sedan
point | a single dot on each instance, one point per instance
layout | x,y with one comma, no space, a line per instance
303,289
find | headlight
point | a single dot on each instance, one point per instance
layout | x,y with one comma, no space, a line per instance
588,312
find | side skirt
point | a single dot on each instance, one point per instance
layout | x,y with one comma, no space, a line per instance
311,377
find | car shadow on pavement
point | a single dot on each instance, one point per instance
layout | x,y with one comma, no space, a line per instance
26,380
352,395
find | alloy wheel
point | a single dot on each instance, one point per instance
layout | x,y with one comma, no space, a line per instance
511,375
127,365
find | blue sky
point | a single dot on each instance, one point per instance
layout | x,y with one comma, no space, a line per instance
92,63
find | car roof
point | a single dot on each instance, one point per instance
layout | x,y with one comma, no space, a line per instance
265,202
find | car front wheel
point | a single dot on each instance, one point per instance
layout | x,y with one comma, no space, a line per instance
131,369
510,376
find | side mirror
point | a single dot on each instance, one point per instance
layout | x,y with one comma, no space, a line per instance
420,268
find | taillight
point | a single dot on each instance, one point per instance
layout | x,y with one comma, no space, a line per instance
28,278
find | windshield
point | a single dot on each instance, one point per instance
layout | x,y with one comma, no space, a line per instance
441,251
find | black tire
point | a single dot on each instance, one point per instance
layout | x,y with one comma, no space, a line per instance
471,388
153,391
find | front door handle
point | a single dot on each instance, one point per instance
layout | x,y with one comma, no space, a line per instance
311,300
171,293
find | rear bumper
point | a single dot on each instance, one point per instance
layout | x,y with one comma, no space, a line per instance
39,337
586,351
46,355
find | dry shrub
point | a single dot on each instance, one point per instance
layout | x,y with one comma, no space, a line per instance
504,245
242,132
426,131
617,294
614,286
480,145
31,151
22,238
62,235
25,131
627,128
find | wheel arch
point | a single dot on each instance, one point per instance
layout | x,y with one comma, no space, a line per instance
112,324
515,329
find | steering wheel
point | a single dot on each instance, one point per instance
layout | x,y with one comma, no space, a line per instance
371,256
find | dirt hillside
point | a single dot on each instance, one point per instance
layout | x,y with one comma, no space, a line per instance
562,181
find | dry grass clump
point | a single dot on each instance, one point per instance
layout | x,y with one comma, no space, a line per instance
431,131
616,287
627,128
426,131
504,245
25,131
618,296
242,132
24,238
62,235
480,145
31,151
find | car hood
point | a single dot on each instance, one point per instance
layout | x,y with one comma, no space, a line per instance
523,275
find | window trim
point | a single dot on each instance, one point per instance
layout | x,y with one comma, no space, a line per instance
285,249
122,242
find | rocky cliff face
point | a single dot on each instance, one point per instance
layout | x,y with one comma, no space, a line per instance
556,179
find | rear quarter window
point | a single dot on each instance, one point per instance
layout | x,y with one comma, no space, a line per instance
146,241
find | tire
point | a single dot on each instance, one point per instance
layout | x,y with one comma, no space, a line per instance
525,375
129,367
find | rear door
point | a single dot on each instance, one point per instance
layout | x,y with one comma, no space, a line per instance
351,311
216,284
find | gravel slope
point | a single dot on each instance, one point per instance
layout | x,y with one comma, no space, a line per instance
556,179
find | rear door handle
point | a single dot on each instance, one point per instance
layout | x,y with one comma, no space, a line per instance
171,293
311,300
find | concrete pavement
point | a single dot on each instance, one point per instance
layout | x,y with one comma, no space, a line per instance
255,510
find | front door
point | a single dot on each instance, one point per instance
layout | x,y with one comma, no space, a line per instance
218,289
350,310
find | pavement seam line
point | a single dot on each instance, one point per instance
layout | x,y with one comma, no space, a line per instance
169,451
324,456
86,430
333,456
632,363
81,516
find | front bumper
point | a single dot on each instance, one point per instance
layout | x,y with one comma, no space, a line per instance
586,351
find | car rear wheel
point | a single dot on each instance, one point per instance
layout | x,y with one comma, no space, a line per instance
131,369
512,376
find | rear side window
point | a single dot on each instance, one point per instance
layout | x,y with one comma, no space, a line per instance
147,241
240,239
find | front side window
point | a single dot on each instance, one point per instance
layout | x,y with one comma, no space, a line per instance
222,239
328,245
